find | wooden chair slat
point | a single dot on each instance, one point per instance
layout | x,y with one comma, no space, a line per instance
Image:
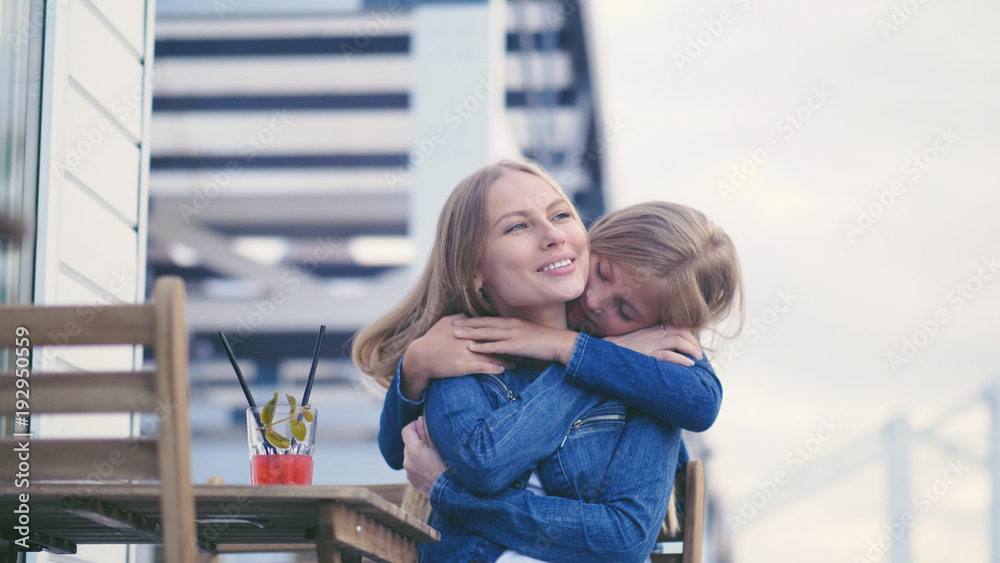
694,511
392,492
87,392
85,460
690,482
78,324
171,345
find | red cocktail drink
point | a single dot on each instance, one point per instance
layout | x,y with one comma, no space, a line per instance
282,469
282,440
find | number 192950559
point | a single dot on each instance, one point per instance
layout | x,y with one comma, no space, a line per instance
22,371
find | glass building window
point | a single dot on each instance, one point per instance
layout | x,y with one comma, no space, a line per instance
20,52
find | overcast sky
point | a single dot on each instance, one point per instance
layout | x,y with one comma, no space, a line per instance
867,134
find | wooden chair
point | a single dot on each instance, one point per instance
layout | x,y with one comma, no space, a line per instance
406,497
163,391
690,486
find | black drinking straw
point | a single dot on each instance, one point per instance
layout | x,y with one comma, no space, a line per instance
246,389
312,370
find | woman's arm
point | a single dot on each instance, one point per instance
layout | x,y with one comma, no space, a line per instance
397,412
621,525
440,354
687,396
487,449
436,354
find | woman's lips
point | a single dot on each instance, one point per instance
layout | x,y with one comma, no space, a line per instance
561,270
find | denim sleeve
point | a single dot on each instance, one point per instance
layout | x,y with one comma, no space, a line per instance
685,397
487,449
622,525
397,412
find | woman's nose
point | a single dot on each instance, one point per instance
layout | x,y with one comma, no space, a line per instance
553,236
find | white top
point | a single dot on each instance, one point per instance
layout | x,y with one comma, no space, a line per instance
511,556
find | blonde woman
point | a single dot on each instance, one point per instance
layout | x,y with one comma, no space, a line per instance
655,266
510,243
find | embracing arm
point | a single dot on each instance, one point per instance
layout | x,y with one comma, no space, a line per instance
621,525
397,412
687,397
436,354
486,449
670,386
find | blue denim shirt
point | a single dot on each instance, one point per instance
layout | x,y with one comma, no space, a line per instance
615,516
685,397
597,461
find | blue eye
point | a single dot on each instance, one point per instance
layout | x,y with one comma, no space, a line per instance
516,227
562,215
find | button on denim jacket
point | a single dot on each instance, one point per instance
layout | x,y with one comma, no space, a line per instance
618,460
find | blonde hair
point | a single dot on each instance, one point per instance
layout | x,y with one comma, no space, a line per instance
447,286
680,248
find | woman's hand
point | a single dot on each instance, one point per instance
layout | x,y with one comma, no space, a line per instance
421,460
439,354
662,343
517,337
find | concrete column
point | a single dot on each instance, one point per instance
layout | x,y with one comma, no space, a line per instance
898,451
994,468
457,102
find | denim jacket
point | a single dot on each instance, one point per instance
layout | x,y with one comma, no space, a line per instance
607,469
597,458
685,397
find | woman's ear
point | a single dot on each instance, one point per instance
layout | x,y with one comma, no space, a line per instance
478,281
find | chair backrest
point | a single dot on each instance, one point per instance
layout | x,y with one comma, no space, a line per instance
404,495
164,391
690,487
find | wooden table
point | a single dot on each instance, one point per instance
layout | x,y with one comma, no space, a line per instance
341,523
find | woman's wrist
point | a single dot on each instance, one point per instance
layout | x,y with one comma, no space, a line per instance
565,345
412,381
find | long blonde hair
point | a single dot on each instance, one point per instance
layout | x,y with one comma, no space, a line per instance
447,286
678,247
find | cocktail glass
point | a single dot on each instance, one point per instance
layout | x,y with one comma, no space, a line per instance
285,458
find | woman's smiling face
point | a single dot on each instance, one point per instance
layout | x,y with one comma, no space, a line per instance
536,257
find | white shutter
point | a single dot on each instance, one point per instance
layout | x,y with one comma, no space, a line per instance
93,188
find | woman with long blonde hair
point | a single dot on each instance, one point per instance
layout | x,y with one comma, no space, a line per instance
510,243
